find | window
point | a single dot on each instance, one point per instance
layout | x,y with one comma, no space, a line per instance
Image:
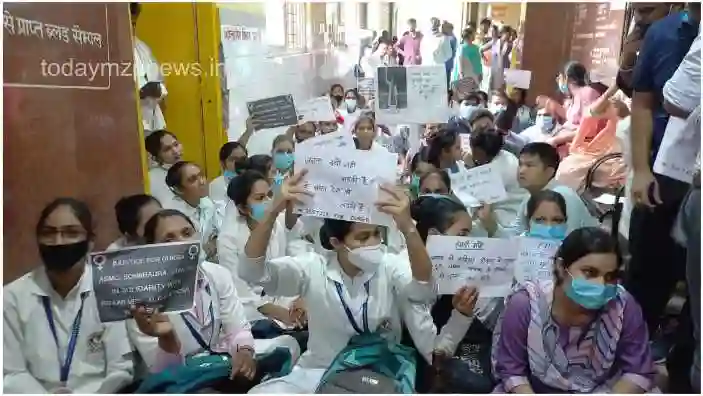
335,25
295,26
363,15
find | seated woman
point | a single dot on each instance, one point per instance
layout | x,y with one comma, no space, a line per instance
249,199
53,306
525,116
572,81
132,213
164,150
596,138
189,186
216,323
232,156
580,333
283,154
445,153
418,168
546,216
358,288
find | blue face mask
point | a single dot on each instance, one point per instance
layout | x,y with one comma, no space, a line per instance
563,88
590,295
465,111
258,210
229,175
544,231
545,122
283,161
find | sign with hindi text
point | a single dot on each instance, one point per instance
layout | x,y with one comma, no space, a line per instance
158,276
483,183
535,259
411,95
274,112
317,109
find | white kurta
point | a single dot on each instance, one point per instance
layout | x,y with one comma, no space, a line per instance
157,184
147,69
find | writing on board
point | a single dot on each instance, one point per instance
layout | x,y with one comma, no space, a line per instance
486,263
274,112
484,183
345,182
15,25
535,260
159,276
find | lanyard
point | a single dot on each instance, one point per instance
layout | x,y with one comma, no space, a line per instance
65,367
364,309
195,333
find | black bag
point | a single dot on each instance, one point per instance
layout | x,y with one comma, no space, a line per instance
589,193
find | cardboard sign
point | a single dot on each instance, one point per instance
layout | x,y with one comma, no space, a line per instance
535,260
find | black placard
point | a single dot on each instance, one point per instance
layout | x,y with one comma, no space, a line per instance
274,112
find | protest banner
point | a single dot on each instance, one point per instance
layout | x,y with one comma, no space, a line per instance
535,260
315,110
345,182
160,276
485,263
274,112
411,95
483,183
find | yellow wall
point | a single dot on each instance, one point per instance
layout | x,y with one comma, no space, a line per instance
184,38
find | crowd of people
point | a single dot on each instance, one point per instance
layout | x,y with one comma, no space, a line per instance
292,301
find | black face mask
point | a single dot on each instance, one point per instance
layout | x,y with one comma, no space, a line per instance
60,258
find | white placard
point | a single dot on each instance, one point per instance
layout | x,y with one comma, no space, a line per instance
414,94
483,183
345,182
676,157
486,263
317,109
518,78
535,260
465,142
332,139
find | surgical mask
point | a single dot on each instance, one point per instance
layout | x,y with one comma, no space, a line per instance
283,161
465,111
350,103
590,295
258,210
545,122
563,88
60,258
367,258
545,231
229,175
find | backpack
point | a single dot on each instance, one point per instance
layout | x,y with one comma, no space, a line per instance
371,364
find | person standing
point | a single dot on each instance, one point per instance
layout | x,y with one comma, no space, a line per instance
435,48
409,45
467,59
448,30
147,74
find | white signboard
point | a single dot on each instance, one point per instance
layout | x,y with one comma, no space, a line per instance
486,263
676,157
415,94
345,182
535,260
483,183
317,109
518,78
333,139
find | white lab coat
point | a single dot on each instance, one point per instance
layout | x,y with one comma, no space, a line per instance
507,209
224,330
205,217
157,184
218,189
147,69
230,246
392,292
101,362
435,49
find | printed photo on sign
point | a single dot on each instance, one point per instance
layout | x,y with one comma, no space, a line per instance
414,94
345,182
315,110
483,183
486,263
535,260
160,276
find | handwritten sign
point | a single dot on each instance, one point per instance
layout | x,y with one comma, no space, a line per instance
345,182
274,112
486,263
482,183
413,94
334,139
518,78
676,157
535,259
366,86
317,109
159,276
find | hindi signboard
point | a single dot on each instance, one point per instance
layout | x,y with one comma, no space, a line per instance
159,276
411,95
317,109
483,183
486,263
535,260
273,112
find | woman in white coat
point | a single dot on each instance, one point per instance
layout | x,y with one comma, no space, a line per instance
215,324
53,340
189,187
132,213
164,150
249,196
350,109
232,156
357,288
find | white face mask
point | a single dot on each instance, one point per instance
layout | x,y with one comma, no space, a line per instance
367,258
351,103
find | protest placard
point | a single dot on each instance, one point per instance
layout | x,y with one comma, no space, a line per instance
274,112
317,109
486,263
345,182
333,139
411,95
160,276
535,260
483,183
366,86
518,78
